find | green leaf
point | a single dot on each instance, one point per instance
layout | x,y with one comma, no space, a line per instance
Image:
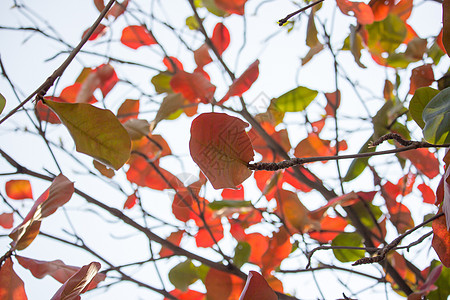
363,214
295,100
2,103
443,283
192,23
241,253
161,82
359,164
386,35
348,239
212,8
169,108
183,275
96,132
437,118
216,205
421,98
435,53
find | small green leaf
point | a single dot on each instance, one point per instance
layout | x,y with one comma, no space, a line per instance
348,239
442,283
96,132
216,205
418,102
183,275
359,164
2,103
437,118
364,216
192,23
241,254
386,35
161,82
295,100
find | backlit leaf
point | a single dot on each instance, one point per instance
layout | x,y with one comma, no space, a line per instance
256,287
292,209
99,31
59,192
359,164
104,170
103,77
161,82
232,194
18,189
362,11
174,238
279,248
442,283
188,295
220,37
421,98
136,36
201,56
243,83
221,148
11,286
427,193
137,128
56,269
330,227
216,205
193,86
96,132
222,286
170,105
128,110
79,283
386,35
118,9
348,239
441,240
183,275
436,116
446,25
241,253
231,6
423,160
295,100
2,103
7,220
421,77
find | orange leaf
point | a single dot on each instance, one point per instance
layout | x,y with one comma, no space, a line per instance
69,94
362,11
279,248
56,269
128,110
221,148
170,62
59,192
231,6
243,83
288,177
400,217
380,9
188,295
201,56
330,227
143,173
79,283
441,240
174,238
11,286
423,160
193,86
259,245
103,77
427,193
222,286
220,38
403,9
312,146
44,113
292,209
333,102
256,287
420,77
7,220
130,202
19,189
136,36
260,145
98,32
232,194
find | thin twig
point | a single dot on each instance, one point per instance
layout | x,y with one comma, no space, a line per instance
281,22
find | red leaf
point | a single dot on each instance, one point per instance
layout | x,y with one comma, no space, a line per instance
232,194
193,86
56,269
103,77
344,200
260,145
406,184
259,245
256,287
100,4
59,192
44,113
222,286
174,238
362,11
420,77
188,295
400,217
279,248
170,62
128,110
136,36
108,78
130,202
118,9
231,6
288,177
19,189
441,240
98,32
143,173
423,160
7,220
333,102
329,228
69,94
243,83
221,148
220,38
427,193
201,56
209,223
11,286
79,283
